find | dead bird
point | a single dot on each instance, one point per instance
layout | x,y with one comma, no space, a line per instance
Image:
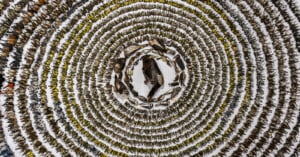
176,79
182,78
151,70
152,74
119,64
127,80
175,92
119,86
157,45
132,101
128,51
161,97
142,98
179,62
150,106
1,81
172,84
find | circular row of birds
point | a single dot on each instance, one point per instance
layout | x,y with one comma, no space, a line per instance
149,78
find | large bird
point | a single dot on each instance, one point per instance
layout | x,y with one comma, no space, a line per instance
152,74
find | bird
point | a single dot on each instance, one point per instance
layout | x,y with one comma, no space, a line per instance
157,45
152,74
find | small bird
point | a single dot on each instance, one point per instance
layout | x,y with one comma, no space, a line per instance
175,92
150,106
1,81
179,62
120,87
157,45
119,64
172,84
182,78
131,49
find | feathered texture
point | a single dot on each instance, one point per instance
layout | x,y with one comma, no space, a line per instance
69,88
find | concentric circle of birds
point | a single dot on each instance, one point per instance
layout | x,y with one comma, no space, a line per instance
149,78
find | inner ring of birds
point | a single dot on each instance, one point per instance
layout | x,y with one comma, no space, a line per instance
150,75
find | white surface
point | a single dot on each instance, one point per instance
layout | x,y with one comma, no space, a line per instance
138,79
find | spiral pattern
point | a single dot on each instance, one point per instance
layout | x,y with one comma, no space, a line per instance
240,96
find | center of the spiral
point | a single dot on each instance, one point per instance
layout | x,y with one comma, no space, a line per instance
152,76
148,76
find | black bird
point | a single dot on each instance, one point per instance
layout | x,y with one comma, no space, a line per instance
1,81
179,62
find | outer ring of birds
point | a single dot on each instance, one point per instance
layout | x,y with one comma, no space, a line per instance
241,92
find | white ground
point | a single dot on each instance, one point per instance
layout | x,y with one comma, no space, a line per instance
143,89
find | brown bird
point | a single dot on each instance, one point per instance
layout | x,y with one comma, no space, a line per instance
182,78
131,49
119,65
119,86
157,45
152,74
